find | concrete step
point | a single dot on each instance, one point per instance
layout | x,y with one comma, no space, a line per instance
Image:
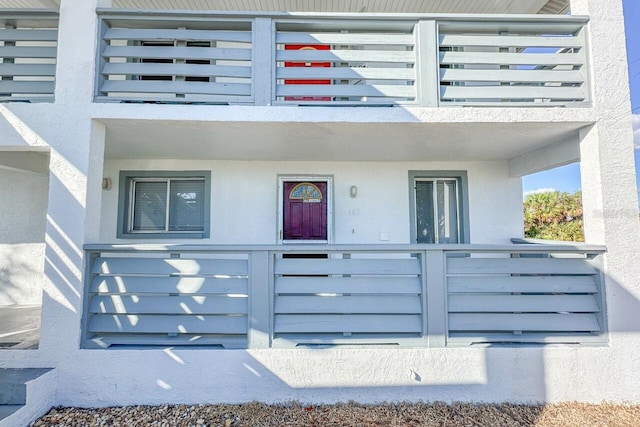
6,410
13,384
25,395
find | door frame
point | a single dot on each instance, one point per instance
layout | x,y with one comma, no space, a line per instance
280,207
463,199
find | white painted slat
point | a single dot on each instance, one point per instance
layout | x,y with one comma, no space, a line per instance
350,285
159,266
345,55
540,284
29,35
39,70
347,266
174,324
226,341
522,303
352,323
132,304
500,58
177,34
523,322
516,76
544,103
384,91
40,97
518,266
345,73
169,52
142,86
457,338
345,39
150,69
457,40
294,340
512,92
364,102
26,87
159,285
388,304
513,27
27,52
134,97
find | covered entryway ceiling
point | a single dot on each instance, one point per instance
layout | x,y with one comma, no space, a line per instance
347,6
342,141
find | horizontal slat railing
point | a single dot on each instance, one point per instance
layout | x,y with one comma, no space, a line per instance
306,295
199,299
28,49
519,297
348,298
169,61
345,64
284,59
494,64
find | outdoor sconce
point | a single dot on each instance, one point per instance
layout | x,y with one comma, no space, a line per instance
106,184
353,191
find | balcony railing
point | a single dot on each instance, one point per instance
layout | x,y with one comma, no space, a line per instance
28,44
431,60
399,295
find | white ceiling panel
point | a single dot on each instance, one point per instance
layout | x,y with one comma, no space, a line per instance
340,6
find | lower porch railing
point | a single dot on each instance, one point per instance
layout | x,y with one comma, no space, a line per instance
397,295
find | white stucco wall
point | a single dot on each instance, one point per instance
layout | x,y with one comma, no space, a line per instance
79,212
244,199
23,210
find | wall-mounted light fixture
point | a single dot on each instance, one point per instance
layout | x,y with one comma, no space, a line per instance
106,184
353,191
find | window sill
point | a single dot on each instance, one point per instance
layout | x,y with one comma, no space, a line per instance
162,235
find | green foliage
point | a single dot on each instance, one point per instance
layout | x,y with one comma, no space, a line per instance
554,216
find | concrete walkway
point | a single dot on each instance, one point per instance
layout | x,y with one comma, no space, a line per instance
19,326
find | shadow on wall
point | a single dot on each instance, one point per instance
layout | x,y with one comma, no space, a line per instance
499,373
24,186
21,274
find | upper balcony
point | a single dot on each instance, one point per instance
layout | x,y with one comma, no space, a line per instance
302,59
417,60
28,50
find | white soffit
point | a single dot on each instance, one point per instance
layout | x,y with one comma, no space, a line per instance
321,6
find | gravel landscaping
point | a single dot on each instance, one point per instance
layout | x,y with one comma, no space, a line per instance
351,414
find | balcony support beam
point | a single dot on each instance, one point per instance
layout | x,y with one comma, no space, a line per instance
551,156
609,191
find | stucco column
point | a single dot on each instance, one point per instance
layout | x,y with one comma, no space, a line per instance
608,174
77,152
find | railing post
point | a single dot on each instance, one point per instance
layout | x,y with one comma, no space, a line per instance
586,77
436,298
428,63
89,260
597,262
260,273
263,52
102,44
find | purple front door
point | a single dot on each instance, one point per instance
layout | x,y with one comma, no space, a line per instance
305,211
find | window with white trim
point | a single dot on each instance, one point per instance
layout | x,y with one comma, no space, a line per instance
155,204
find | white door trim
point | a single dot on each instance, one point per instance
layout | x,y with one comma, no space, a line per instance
280,200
